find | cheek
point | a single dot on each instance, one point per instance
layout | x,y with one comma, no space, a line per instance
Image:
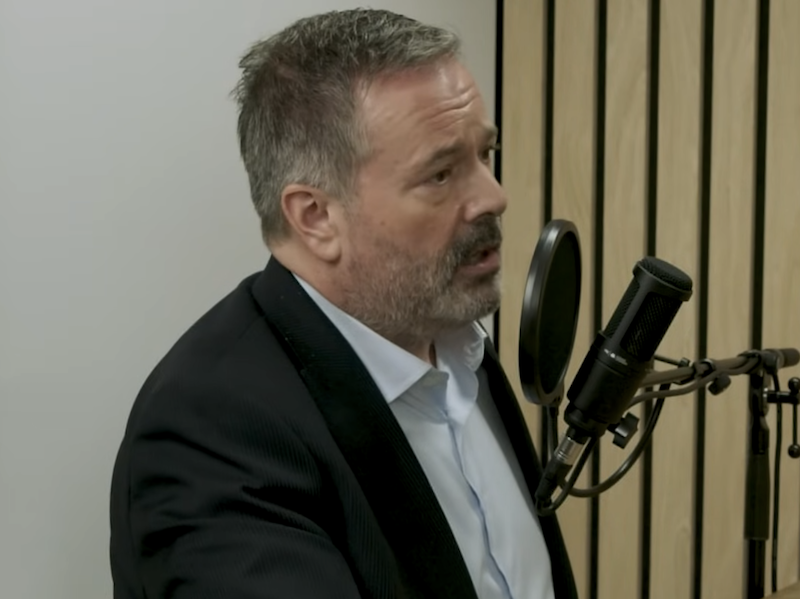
424,237
412,222
422,231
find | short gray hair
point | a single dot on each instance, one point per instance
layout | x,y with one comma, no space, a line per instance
298,99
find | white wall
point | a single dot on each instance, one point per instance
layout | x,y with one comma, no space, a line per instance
124,215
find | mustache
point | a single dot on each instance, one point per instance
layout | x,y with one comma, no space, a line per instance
486,233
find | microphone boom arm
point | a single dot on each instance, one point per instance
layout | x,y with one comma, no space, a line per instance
745,363
756,363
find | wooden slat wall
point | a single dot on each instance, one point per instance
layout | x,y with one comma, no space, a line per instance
732,188
782,245
521,157
572,185
677,241
694,203
624,244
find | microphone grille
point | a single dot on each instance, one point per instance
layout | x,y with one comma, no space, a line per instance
622,309
666,272
649,326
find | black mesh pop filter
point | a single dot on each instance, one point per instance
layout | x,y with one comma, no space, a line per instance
550,313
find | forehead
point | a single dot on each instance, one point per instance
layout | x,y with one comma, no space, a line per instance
441,99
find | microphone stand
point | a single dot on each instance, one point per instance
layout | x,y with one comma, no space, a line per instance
757,488
757,509
758,365
757,481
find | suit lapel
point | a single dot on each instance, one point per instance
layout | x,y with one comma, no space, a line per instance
369,437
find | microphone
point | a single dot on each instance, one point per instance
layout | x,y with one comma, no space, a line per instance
617,362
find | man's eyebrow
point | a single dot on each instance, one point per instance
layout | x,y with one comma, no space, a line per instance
443,153
458,148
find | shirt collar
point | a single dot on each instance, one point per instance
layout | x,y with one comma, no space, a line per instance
394,369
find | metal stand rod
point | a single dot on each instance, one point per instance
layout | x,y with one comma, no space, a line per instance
757,488
756,561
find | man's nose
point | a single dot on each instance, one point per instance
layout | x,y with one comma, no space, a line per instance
489,198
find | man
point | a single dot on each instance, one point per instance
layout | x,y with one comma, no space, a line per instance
339,426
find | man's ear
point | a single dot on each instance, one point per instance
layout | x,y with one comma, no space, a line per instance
311,214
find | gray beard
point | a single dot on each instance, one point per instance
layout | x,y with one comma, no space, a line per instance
409,300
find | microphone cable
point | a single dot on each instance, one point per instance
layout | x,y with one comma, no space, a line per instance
551,414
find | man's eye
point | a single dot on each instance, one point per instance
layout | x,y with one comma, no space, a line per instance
442,177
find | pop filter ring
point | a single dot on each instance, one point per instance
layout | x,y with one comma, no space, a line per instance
540,345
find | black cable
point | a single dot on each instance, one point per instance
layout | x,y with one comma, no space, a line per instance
668,360
552,434
776,499
631,459
693,386
549,510
544,430
685,390
664,391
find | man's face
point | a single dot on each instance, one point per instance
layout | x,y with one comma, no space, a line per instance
423,236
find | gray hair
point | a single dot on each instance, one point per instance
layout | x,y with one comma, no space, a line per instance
298,101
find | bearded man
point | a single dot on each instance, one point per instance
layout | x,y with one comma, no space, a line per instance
339,425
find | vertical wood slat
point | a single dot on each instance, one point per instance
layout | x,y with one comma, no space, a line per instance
728,320
677,235
521,141
781,326
624,224
651,243
572,200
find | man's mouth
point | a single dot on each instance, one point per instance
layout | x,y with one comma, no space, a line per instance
484,261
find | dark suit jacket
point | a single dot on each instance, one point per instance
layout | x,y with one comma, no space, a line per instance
260,461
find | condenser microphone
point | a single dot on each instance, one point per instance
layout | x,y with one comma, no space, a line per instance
617,362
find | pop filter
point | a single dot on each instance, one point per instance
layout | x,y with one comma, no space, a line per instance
550,313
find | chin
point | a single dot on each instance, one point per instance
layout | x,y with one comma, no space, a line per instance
469,306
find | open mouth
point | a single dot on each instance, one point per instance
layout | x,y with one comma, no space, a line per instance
484,254
484,261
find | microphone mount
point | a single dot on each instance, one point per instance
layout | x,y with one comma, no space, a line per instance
792,398
690,376
715,375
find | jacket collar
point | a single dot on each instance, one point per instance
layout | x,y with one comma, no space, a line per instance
369,437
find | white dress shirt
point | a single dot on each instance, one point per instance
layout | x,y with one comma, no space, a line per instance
453,427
